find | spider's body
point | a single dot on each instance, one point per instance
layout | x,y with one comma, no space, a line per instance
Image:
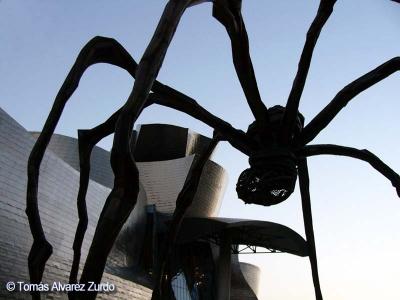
272,175
276,142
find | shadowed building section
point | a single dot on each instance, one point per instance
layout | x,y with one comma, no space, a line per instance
157,142
227,234
264,234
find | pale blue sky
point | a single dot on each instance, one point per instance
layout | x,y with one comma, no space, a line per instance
356,211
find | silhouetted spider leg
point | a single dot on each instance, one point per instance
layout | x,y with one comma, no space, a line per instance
96,51
176,100
183,202
312,150
166,96
364,155
87,139
304,182
345,96
123,196
228,13
289,120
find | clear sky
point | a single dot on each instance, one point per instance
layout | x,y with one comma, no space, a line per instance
356,210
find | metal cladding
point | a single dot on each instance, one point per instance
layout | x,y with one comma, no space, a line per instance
164,155
66,148
58,188
162,171
156,142
245,280
251,274
164,180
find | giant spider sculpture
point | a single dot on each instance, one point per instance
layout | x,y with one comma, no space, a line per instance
276,142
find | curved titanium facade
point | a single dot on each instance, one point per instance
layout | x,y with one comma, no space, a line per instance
163,180
164,155
66,148
244,281
58,186
57,194
251,274
156,142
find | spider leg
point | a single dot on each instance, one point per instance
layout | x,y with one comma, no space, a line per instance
228,13
97,50
173,99
85,148
364,155
324,11
87,139
168,97
344,96
304,182
183,202
122,198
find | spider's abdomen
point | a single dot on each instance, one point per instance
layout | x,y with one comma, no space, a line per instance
270,179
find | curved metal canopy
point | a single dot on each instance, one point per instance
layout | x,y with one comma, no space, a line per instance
244,232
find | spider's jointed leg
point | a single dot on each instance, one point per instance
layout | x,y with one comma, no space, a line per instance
364,155
96,51
171,98
183,202
304,182
123,196
289,120
87,139
342,98
228,13
312,150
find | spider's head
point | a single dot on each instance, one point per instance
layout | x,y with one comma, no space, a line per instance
272,175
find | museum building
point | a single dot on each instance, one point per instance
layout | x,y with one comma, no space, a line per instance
205,262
